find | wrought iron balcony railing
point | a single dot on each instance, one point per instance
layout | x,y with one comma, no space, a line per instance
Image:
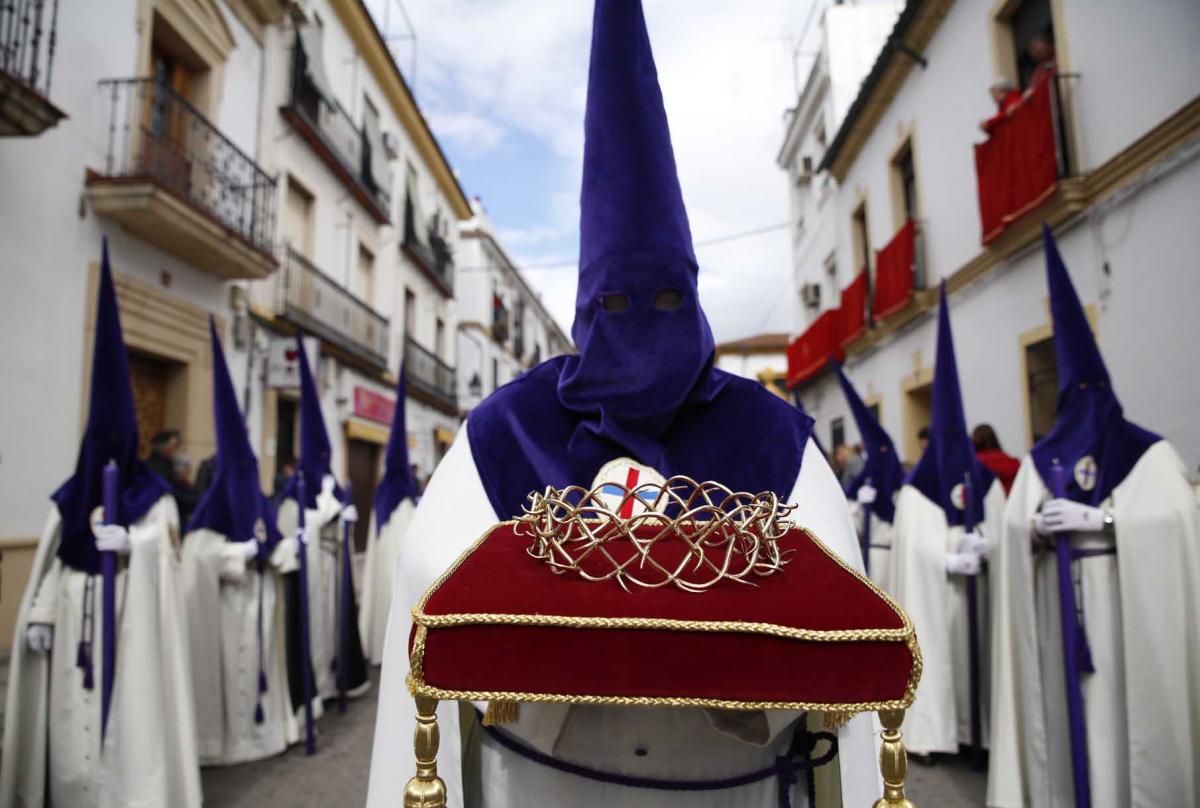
155,135
432,254
424,371
311,299
28,34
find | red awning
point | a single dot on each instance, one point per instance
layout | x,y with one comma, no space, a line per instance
894,272
1017,167
853,309
809,352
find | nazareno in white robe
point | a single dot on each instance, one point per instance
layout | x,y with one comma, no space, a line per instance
678,743
149,752
1142,613
222,599
324,546
940,718
879,570
379,570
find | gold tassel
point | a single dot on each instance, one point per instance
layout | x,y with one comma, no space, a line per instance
835,720
501,712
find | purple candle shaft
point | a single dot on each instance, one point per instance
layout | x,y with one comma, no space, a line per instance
110,487
347,582
969,523
310,741
1069,625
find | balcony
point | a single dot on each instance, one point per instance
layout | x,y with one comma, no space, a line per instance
310,299
344,148
172,179
1021,163
429,378
28,30
424,245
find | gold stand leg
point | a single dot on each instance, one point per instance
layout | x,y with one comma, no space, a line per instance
893,762
426,789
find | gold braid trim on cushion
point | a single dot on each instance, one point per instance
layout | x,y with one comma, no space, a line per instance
907,634
728,535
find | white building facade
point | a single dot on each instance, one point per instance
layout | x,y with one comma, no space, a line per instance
236,174
1122,120
504,327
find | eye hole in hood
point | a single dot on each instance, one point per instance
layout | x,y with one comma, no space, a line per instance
668,299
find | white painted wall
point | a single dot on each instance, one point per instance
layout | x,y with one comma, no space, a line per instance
50,237
749,365
1144,306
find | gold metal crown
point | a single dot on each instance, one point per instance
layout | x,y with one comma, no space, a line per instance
678,532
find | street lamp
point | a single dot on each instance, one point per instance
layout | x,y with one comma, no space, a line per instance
475,386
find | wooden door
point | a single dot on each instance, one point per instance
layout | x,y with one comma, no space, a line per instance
149,378
362,466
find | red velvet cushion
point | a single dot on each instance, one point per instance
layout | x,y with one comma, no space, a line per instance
501,624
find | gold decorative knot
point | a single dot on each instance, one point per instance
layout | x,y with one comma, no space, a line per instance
678,533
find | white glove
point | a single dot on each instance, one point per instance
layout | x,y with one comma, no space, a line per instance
962,564
974,543
112,538
39,637
287,554
866,494
1064,516
248,549
350,513
328,484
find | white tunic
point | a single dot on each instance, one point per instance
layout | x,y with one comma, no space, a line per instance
880,551
324,546
149,752
222,597
378,579
1141,607
453,513
936,602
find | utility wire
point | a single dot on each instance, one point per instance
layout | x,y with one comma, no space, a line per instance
757,231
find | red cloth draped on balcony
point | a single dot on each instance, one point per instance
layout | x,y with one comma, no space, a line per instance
1017,167
809,353
853,321
894,272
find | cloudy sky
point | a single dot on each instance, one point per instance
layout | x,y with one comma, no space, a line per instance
503,83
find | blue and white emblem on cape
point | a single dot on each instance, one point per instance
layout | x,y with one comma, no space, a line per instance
617,478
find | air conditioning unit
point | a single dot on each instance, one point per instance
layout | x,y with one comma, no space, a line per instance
805,173
391,145
810,295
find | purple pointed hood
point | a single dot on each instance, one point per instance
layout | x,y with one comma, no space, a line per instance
950,455
1090,422
111,434
397,483
316,452
882,469
645,346
234,504
642,385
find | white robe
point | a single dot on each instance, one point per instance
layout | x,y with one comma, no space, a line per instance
222,592
936,602
378,578
880,551
1142,615
149,752
324,544
453,513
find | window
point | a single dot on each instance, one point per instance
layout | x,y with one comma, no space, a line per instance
1030,21
861,246
297,218
1041,380
410,313
819,133
439,337
375,160
837,432
904,177
364,275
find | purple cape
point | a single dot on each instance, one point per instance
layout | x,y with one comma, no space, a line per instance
111,434
950,455
1090,420
234,502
